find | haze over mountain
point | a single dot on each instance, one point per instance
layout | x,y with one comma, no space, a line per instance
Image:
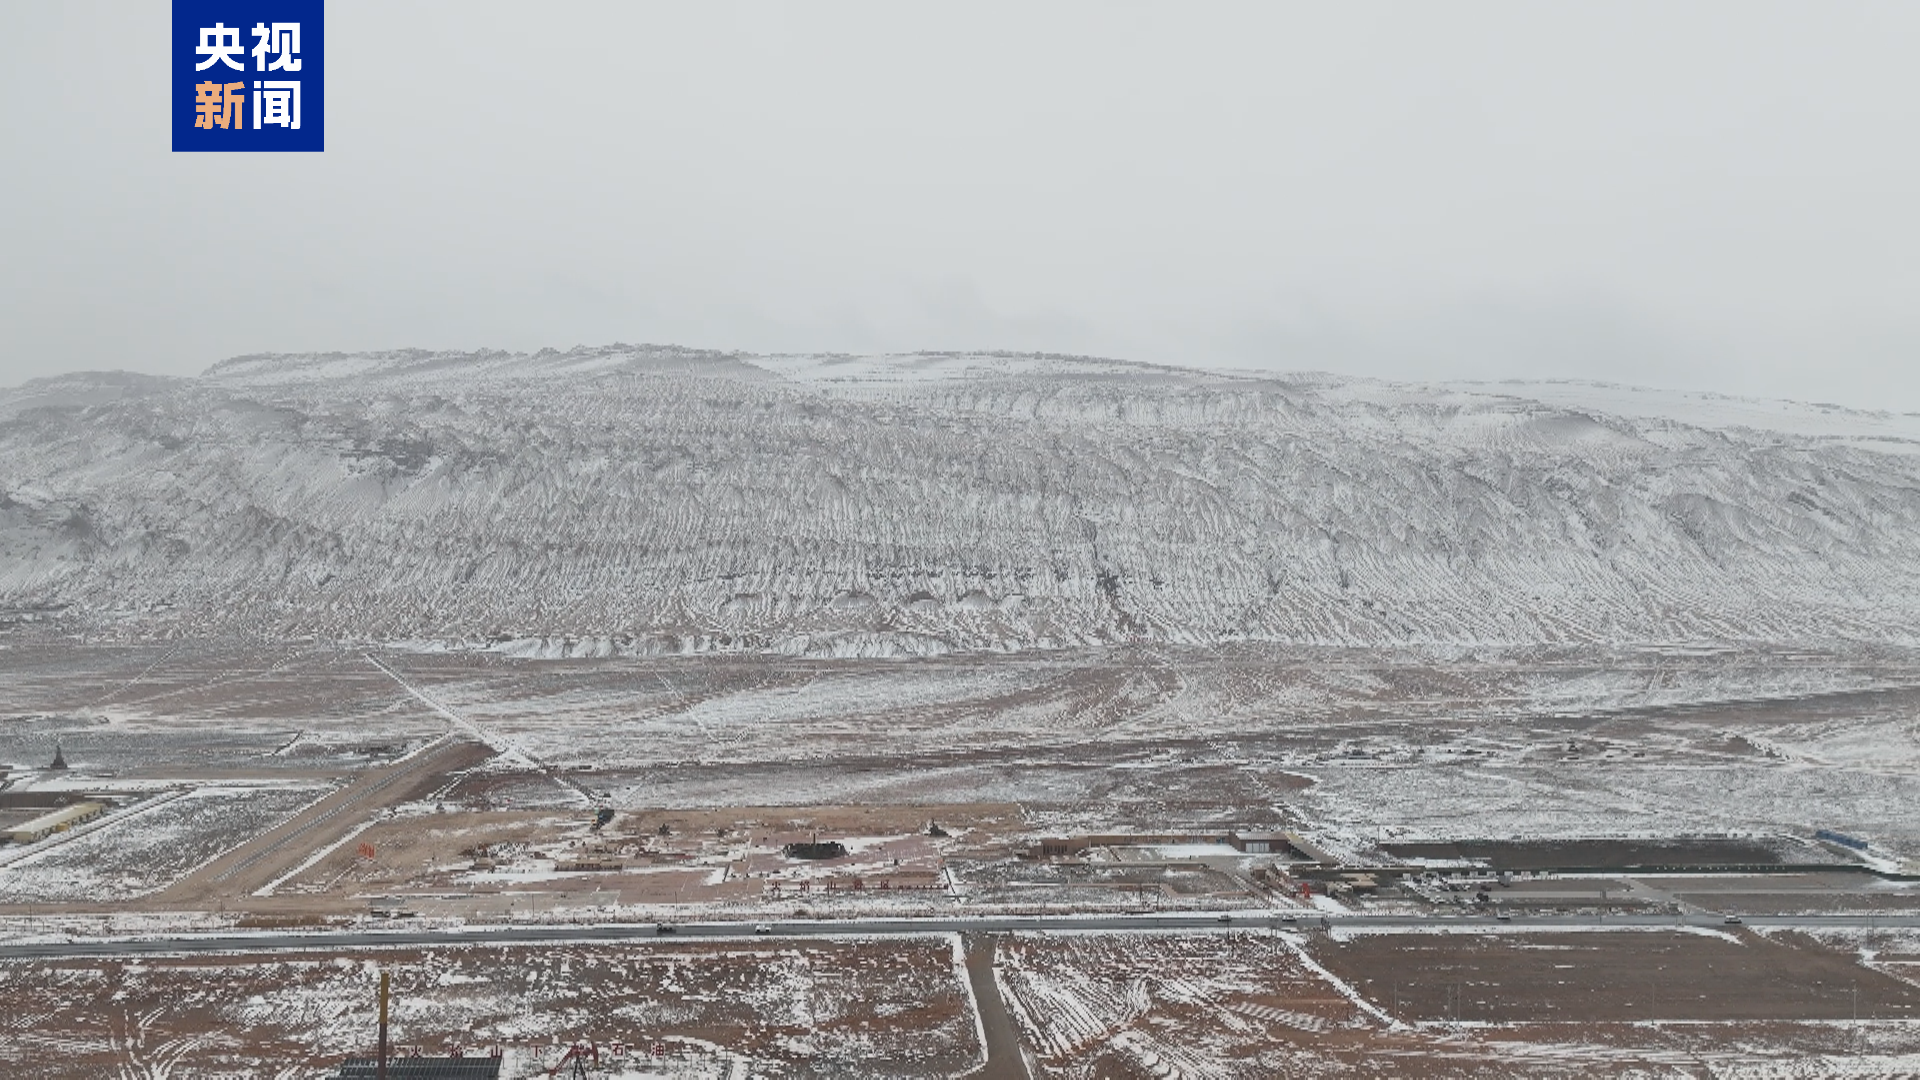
657,499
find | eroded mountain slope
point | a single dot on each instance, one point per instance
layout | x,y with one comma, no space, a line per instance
645,499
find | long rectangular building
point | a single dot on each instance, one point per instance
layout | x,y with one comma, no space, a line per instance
422,1068
37,829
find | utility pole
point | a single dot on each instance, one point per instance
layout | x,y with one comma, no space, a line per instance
380,1070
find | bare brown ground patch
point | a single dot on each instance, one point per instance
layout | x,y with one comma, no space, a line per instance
1239,1005
1148,1005
1601,977
830,1009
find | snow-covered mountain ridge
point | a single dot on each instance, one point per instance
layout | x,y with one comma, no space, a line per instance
655,498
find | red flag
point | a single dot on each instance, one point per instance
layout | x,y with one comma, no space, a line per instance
366,850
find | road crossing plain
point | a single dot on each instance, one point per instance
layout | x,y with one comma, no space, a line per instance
406,839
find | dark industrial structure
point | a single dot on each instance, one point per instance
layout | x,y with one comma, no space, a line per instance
814,848
422,1068
384,1066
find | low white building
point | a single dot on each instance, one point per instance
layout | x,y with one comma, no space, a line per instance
37,829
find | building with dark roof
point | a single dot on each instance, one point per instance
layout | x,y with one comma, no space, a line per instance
422,1068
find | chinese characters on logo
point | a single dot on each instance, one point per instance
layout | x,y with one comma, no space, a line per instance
218,104
248,76
276,102
219,43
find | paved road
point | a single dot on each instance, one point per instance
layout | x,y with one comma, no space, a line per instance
1001,1035
526,934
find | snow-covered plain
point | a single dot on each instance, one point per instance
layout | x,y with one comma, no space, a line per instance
1373,743
153,850
648,499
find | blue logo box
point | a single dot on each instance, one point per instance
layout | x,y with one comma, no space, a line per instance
248,76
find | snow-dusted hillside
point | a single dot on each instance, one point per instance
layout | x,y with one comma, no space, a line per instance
639,498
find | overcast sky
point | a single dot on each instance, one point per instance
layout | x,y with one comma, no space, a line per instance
1701,195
